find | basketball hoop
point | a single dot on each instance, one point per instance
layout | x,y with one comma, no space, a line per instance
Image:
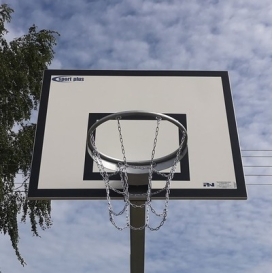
137,172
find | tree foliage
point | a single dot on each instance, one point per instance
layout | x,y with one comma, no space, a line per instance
22,62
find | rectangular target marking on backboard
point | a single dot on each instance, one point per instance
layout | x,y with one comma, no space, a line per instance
182,173
200,100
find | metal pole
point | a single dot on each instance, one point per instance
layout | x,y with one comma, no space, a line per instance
137,237
138,183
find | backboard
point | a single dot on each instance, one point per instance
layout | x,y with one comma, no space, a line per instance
73,100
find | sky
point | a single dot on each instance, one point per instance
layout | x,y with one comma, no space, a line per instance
199,236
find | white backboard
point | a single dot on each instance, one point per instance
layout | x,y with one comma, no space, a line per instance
72,100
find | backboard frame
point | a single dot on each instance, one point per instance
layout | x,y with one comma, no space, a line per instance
35,192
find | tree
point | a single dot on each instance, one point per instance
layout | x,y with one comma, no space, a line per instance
22,62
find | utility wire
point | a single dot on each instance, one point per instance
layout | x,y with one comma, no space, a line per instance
246,166
256,150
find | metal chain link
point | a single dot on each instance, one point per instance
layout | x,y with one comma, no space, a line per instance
121,141
122,170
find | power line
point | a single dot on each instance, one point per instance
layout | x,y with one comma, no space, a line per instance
259,184
257,166
256,155
258,174
256,150
246,166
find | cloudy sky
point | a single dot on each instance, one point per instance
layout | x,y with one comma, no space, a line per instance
199,236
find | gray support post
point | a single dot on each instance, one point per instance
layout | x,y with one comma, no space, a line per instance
137,219
137,237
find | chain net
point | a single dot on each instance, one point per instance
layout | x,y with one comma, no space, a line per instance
122,171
